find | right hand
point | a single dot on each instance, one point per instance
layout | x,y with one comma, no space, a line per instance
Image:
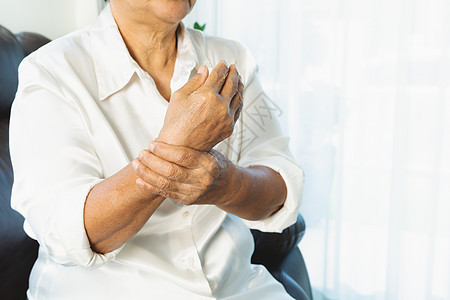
204,111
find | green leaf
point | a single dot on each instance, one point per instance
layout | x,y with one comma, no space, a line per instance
199,27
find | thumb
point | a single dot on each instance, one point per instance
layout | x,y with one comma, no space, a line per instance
197,81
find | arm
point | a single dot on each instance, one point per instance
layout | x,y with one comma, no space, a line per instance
116,209
195,177
59,184
261,193
264,184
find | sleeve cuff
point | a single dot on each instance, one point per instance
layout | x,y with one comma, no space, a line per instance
293,177
70,230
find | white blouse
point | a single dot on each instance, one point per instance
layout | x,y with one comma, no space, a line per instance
84,109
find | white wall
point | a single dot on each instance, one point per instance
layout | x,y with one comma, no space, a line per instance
52,18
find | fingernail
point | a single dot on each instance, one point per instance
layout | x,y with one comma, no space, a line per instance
151,147
202,69
140,182
141,155
225,63
135,164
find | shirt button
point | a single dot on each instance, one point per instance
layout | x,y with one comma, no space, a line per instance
185,214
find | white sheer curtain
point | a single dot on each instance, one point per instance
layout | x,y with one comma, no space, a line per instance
365,88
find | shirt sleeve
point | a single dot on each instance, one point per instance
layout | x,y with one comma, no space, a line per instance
260,141
55,167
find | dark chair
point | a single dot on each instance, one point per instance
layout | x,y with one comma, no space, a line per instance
278,252
17,251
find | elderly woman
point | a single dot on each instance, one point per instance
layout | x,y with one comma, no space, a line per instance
136,170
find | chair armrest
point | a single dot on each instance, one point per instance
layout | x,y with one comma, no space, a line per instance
280,254
292,273
272,248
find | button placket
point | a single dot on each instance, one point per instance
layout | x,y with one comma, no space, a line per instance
192,262
186,216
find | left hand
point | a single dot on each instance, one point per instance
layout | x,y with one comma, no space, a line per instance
204,111
184,174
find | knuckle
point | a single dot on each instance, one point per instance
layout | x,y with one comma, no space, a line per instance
210,94
221,64
214,76
221,67
222,73
163,183
200,96
142,154
164,193
182,158
170,171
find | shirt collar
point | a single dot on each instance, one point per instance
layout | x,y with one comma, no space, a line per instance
187,59
114,65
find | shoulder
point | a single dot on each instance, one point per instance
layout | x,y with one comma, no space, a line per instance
60,66
212,49
213,45
64,56
63,49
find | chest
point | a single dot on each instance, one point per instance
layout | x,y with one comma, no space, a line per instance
135,115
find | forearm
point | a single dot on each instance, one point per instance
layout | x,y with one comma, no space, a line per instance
196,177
116,209
253,193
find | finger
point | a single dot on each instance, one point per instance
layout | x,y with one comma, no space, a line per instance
237,102
156,190
153,178
217,77
187,197
231,84
163,167
180,155
195,82
237,114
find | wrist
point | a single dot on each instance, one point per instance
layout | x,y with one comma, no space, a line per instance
231,182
